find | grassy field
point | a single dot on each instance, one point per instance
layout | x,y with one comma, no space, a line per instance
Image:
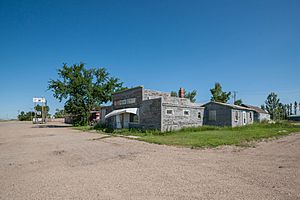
209,136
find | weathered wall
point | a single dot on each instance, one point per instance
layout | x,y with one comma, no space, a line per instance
136,93
239,122
177,119
104,111
223,115
260,117
152,94
150,114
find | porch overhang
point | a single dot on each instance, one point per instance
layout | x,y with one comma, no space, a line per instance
121,111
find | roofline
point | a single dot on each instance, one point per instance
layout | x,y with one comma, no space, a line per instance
140,86
229,105
254,108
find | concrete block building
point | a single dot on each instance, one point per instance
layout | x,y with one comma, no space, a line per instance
148,109
223,114
260,115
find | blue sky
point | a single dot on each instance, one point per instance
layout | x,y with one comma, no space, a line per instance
252,47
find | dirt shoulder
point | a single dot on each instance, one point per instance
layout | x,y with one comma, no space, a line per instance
57,162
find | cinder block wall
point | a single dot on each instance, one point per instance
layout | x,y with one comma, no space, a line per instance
178,120
136,93
150,114
223,115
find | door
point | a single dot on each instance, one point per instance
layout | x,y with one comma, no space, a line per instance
244,118
126,120
118,121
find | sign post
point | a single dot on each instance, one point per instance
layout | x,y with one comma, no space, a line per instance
35,101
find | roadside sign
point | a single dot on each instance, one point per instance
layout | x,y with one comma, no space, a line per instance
39,100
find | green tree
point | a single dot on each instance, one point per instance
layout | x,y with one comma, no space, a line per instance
288,109
83,89
60,113
25,116
218,95
295,107
238,102
174,94
272,105
39,108
189,95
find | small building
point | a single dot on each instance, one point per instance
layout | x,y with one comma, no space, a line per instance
294,118
260,115
223,114
149,109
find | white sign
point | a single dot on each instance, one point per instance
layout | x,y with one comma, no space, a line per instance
39,100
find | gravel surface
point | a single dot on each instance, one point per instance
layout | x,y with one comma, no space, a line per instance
57,162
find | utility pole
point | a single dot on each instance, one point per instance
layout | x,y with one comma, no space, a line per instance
234,96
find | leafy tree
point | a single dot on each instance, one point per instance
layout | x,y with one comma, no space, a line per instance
60,113
295,107
263,107
279,112
189,95
291,108
288,109
218,95
174,94
39,108
25,116
238,102
272,104
285,110
83,89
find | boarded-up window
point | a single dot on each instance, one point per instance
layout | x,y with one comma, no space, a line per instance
131,100
212,115
186,112
199,115
133,118
236,116
169,112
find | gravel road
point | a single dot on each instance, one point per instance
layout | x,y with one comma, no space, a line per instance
57,162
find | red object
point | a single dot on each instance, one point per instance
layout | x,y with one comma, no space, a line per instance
181,93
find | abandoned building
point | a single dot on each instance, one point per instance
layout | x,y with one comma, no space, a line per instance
223,114
148,109
260,115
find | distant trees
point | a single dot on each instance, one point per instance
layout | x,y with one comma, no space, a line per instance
60,113
189,95
83,89
218,95
238,102
273,105
278,110
25,116
39,108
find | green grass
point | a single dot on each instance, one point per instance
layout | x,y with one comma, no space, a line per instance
208,136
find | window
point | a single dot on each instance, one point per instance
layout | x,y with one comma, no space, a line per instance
131,100
186,112
133,118
212,115
169,112
123,102
236,115
250,116
199,115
